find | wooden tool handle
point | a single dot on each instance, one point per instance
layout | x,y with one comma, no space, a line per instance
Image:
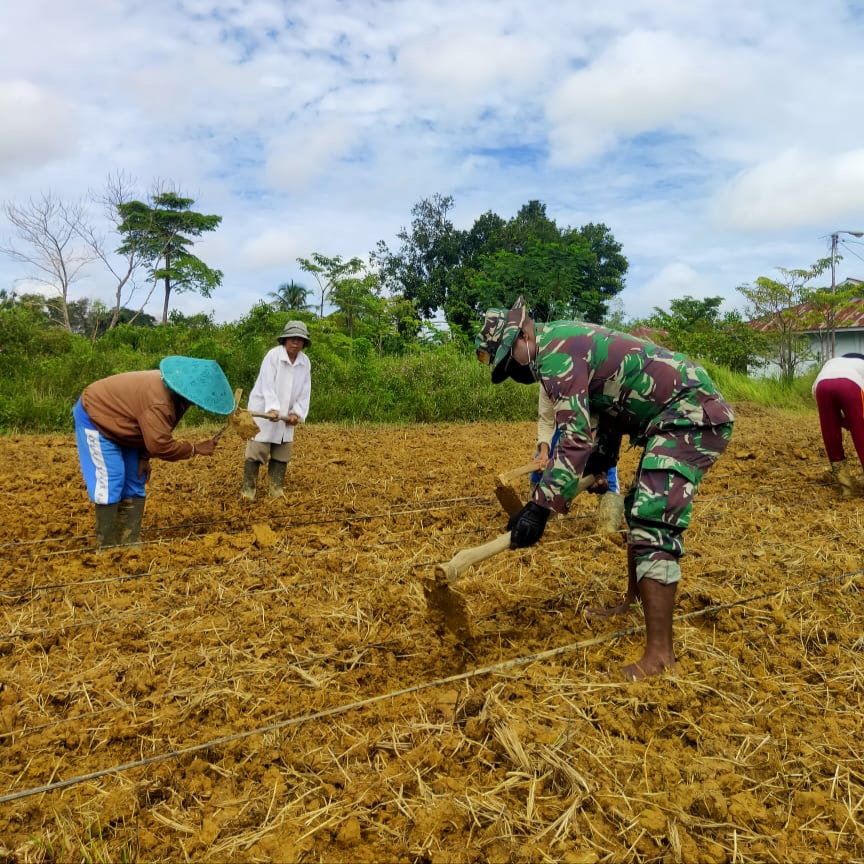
460,562
513,473
238,395
268,417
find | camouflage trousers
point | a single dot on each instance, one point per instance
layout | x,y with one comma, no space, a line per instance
660,500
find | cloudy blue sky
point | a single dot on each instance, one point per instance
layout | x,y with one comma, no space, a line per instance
717,140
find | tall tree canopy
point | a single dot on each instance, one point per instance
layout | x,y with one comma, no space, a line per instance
561,272
429,255
162,232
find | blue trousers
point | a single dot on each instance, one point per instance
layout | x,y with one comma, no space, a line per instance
110,471
611,474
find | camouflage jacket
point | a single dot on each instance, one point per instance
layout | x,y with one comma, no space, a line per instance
635,388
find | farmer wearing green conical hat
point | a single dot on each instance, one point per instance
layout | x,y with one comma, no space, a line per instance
665,403
124,420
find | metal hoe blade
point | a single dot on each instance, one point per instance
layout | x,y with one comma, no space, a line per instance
449,607
507,496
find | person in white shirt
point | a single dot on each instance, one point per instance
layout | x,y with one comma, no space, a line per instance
839,392
282,391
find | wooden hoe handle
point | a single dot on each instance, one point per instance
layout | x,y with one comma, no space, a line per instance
513,473
268,417
460,562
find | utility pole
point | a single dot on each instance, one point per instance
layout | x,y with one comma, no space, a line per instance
834,237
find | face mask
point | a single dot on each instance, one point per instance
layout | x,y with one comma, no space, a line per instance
523,374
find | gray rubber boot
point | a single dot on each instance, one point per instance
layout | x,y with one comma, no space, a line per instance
250,479
610,513
129,514
107,526
276,474
840,470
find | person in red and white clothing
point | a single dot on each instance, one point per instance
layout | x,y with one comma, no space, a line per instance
839,392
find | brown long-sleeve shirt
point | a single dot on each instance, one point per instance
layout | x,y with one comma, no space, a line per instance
135,409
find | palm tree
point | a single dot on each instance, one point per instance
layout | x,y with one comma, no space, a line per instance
290,297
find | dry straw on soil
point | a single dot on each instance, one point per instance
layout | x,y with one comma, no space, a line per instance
261,682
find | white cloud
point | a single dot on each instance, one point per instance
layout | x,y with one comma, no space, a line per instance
37,126
675,279
643,82
297,159
275,247
795,189
458,66
695,131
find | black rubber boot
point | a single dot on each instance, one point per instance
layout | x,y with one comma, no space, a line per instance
276,474
107,526
130,511
250,479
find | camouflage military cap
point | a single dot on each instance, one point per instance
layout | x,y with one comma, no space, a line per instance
500,329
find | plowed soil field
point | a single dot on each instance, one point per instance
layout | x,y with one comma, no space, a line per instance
263,681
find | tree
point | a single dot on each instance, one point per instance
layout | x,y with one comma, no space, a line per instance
115,195
49,232
549,275
329,272
605,270
290,297
822,306
354,297
779,309
696,328
422,270
161,231
572,272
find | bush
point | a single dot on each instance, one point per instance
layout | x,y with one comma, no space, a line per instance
45,370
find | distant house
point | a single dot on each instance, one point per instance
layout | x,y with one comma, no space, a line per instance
848,330
651,334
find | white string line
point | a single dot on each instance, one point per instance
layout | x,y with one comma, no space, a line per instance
369,646
481,501
17,592
405,691
94,622
433,505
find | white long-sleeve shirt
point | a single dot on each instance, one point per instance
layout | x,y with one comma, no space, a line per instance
281,386
545,419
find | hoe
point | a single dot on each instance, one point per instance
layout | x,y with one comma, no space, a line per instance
445,603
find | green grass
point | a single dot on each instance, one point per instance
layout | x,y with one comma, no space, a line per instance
430,384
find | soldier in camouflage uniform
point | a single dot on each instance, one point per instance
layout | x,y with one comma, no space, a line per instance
665,403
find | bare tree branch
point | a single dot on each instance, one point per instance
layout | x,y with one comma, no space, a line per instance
117,192
47,230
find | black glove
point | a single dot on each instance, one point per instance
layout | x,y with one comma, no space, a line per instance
526,527
599,463
607,446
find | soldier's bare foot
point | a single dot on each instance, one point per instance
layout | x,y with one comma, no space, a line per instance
610,611
647,667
